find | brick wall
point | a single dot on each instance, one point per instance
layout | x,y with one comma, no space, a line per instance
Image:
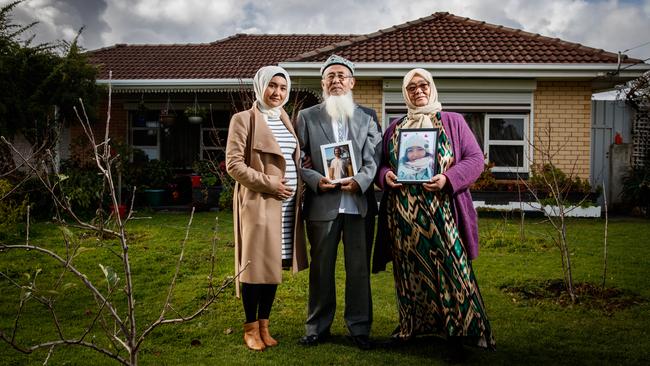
119,121
563,112
369,94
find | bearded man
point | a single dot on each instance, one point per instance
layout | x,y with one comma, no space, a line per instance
332,210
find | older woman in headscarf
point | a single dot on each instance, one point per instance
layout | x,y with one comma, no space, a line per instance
431,228
262,155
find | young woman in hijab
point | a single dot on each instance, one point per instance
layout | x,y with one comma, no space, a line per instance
262,155
432,227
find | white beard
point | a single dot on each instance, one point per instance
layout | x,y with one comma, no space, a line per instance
339,106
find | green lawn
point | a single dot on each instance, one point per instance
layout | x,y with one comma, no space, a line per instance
526,332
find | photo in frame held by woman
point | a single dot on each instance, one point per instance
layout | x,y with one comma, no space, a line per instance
263,156
430,230
416,161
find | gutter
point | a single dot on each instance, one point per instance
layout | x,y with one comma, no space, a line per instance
177,85
598,73
476,70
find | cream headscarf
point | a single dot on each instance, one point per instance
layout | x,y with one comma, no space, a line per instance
261,81
418,117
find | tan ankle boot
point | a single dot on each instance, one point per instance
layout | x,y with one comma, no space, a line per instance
252,336
265,335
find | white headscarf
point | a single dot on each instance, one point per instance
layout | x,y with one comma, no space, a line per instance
261,82
418,117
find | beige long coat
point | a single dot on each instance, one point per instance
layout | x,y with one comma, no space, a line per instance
257,214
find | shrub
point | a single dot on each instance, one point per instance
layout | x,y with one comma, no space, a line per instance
486,181
157,174
12,211
636,187
83,186
214,173
571,189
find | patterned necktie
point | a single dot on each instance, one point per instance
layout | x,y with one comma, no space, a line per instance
340,126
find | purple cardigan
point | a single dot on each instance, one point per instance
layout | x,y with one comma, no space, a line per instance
468,165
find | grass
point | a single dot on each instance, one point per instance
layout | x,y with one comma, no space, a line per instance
526,332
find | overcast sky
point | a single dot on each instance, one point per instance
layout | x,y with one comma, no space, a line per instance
610,25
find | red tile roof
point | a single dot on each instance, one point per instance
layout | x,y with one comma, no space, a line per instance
439,38
238,56
446,38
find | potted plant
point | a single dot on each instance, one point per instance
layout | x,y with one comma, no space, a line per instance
195,113
206,196
156,174
167,115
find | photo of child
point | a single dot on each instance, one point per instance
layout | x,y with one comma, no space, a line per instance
417,156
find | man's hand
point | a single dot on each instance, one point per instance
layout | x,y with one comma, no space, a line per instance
324,184
437,183
391,180
283,192
350,185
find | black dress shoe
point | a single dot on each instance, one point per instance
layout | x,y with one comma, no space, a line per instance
361,341
308,340
313,340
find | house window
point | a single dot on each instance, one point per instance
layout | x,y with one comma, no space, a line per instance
504,141
213,143
214,133
145,133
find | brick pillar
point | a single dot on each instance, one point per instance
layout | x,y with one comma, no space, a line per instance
369,94
563,109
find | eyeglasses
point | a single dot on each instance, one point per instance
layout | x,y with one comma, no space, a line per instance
412,88
340,76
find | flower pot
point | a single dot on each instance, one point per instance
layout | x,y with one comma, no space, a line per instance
154,197
167,119
204,198
196,181
121,210
195,119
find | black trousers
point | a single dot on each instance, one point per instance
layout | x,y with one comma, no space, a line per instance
258,300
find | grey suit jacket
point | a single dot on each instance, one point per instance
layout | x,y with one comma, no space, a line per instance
314,128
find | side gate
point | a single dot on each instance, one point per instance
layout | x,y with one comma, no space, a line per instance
608,117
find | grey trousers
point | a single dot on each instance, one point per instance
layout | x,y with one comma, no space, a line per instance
324,237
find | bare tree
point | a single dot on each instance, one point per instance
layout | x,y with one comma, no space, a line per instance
551,189
637,92
605,238
114,317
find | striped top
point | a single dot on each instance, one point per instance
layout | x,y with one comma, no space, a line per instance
288,146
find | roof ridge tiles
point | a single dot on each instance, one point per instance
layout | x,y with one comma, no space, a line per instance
368,36
236,35
540,37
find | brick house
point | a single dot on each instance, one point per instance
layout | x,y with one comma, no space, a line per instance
512,86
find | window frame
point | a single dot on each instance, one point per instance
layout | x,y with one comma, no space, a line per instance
487,142
205,149
153,125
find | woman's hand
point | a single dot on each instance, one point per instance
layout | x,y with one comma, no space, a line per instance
437,183
283,191
391,180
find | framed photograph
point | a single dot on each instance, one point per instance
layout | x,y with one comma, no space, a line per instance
416,158
338,160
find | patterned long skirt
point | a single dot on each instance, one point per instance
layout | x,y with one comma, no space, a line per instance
437,292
